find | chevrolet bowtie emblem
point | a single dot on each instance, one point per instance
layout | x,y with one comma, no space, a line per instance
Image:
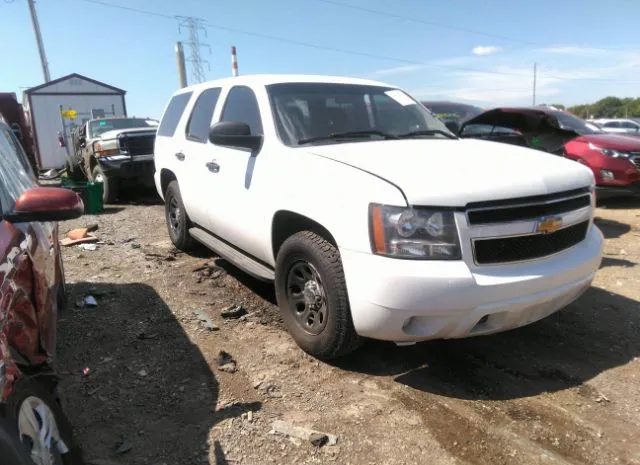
549,225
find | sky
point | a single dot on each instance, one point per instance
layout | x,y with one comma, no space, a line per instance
463,50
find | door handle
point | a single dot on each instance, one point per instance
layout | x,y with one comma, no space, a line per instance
180,156
213,166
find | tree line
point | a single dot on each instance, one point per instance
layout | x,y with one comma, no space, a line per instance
608,107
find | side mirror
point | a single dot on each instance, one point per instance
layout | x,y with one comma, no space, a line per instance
453,126
234,134
43,204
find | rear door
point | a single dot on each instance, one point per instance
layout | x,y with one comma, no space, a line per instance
168,149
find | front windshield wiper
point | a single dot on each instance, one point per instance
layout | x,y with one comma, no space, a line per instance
348,135
426,132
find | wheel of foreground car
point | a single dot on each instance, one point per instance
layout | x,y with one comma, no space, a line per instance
109,185
178,222
312,295
44,430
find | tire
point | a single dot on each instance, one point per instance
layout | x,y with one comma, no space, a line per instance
11,449
109,185
178,222
31,399
321,322
75,173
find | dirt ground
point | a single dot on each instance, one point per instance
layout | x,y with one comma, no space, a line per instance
565,390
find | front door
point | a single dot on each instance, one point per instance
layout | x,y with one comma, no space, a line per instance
199,185
237,218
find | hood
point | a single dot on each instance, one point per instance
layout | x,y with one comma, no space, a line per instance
116,132
453,173
622,142
541,128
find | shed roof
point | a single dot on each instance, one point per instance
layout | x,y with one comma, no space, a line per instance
42,87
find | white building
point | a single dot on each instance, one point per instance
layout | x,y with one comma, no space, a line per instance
62,104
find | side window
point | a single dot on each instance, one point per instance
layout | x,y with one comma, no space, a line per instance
15,177
200,119
242,106
629,125
611,124
172,115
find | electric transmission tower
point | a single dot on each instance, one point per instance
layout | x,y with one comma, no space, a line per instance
194,27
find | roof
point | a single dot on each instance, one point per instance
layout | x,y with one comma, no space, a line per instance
73,75
268,79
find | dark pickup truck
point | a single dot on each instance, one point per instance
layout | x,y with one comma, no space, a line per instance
114,151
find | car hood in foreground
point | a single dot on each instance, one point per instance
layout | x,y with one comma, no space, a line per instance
447,172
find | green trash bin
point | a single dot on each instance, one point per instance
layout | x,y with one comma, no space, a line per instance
90,192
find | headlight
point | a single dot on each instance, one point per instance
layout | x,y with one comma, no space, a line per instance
610,152
416,233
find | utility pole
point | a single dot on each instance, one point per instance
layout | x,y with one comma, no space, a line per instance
535,78
195,25
234,61
36,30
182,71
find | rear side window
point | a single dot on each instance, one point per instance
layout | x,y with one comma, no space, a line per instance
242,106
16,175
172,115
200,120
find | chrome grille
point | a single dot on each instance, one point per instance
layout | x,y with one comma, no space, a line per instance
530,228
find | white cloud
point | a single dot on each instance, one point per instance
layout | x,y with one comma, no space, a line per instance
483,51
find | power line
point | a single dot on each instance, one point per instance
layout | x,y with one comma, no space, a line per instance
354,52
425,22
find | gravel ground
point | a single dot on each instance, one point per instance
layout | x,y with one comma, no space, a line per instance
562,391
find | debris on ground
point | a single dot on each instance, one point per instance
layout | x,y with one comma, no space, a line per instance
78,236
317,438
206,321
87,301
88,247
226,362
85,372
233,312
123,447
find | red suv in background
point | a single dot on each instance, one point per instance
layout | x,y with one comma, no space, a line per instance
31,290
613,158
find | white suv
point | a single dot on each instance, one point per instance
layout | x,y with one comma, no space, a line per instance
370,216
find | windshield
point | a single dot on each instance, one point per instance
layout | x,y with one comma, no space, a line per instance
103,125
568,121
316,111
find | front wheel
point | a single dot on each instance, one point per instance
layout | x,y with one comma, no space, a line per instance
109,185
312,296
44,430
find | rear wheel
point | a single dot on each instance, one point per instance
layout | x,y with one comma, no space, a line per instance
178,222
312,295
43,428
109,185
75,173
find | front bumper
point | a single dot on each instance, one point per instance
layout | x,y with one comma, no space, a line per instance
604,191
141,166
411,300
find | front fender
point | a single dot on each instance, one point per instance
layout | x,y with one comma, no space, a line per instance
335,195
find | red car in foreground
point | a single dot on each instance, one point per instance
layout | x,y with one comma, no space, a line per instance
31,291
614,159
